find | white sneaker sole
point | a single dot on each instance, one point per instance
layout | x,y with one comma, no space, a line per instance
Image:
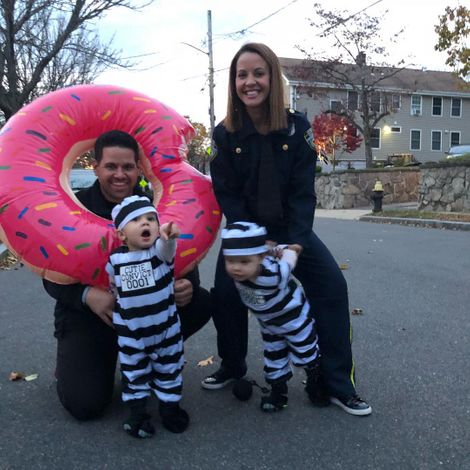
214,386
351,411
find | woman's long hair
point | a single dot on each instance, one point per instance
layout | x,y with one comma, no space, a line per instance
276,114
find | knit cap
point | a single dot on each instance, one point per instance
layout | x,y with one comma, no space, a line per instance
244,239
130,208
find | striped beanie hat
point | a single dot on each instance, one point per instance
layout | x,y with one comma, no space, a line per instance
130,208
244,239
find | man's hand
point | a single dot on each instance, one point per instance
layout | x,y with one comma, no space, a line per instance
169,231
183,292
101,302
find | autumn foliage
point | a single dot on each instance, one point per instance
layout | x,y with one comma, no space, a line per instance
334,135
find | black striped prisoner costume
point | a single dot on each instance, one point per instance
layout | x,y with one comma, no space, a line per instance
278,301
146,322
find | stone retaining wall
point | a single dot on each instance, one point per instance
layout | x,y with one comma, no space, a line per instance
353,188
445,187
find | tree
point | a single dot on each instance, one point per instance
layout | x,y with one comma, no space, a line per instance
198,147
358,67
49,44
453,30
335,133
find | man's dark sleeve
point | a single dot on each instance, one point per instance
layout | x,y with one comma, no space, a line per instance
68,295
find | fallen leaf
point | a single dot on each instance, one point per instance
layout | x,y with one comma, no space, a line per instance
16,376
357,311
30,377
206,362
343,266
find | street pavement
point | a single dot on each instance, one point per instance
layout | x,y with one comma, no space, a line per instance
411,354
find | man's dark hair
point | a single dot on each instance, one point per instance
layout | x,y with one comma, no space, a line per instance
115,138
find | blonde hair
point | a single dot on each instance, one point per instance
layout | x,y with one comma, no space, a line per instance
276,114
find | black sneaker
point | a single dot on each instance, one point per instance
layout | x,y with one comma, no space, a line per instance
353,405
219,379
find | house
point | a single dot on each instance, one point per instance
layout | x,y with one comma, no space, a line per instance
429,110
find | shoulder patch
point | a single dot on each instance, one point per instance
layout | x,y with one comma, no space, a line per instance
212,152
308,136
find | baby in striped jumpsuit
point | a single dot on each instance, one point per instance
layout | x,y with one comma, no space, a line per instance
263,278
145,317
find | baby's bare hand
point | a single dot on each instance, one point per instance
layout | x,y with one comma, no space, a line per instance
169,231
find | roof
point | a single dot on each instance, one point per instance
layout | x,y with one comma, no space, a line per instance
300,72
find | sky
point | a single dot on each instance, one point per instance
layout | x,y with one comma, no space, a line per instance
168,34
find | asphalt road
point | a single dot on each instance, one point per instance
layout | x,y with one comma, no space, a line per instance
411,347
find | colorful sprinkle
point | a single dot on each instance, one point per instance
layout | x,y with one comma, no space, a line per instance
3,208
103,244
116,92
199,214
215,212
188,252
36,134
209,229
44,252
46,109
21,235
158,129
165,170
34,178
189,201
68,229
106,115
139,130
139,98
67,119
167,118
186,236
172,187
82,245
62,249
75,212
6,167
48,205
95,273
44,222
23,212
150,111
43,165
154,151
49,193
75,97
170,157
186,181
45,150
171,203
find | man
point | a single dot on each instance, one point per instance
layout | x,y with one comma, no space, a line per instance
86,341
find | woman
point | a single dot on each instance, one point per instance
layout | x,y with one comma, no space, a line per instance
263,171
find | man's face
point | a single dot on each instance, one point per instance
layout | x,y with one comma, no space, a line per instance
117,173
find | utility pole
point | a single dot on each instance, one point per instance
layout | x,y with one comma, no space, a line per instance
211,78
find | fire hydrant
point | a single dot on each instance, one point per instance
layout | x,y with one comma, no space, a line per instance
377,196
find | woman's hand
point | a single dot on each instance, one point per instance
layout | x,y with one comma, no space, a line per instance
183,292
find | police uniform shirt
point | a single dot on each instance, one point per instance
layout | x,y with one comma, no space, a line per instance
234,172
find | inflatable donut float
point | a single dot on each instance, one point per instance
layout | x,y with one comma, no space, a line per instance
42,221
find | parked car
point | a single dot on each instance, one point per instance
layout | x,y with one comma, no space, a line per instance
80,178
458,151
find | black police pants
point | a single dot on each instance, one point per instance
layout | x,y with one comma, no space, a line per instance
326,290
87,355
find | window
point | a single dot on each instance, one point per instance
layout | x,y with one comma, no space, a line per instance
436,106
375,101
353,100
436,141
375,138
336,105
454,138
456,107
396,102
415,139
395,130
415,105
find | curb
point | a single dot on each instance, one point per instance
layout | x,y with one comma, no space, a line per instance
3,251
432,223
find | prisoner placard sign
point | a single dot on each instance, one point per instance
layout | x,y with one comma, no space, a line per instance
136,276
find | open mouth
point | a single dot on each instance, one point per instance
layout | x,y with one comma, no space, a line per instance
146,233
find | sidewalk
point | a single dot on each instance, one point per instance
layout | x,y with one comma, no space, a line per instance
365,214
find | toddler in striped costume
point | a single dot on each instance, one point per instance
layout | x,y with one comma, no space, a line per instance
145,318
263,278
